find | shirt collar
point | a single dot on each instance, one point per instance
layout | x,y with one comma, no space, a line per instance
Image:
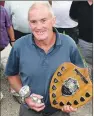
58,39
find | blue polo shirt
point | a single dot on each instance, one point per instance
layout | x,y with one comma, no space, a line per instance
37,67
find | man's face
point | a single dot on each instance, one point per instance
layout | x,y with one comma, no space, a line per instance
41,22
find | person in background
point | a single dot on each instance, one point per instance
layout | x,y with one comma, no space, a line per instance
82,12
35,57
18,11
64,23
6,29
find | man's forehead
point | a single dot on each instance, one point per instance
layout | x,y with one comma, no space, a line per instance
39,14
38,18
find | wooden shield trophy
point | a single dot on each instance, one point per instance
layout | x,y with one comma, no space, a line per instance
70,85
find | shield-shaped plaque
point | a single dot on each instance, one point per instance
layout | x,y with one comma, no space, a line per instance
70,85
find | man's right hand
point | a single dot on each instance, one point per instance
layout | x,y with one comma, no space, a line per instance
33,105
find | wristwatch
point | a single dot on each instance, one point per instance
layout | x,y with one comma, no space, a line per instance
24,92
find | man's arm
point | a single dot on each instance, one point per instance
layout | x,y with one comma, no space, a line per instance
9,26
76,57
11,34
15,82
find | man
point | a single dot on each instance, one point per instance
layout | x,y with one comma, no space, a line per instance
20,25
82,12
35,57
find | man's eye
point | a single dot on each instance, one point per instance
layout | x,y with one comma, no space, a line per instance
33,22
43,21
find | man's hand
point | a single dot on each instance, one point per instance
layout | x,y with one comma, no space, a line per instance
33,105
68,109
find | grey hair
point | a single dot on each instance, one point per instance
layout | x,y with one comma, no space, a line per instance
45,3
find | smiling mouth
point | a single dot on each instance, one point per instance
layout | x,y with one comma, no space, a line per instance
40,33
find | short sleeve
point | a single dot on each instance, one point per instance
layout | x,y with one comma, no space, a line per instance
76,57
8,22
12,67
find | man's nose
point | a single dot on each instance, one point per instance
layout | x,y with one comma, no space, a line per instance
39,25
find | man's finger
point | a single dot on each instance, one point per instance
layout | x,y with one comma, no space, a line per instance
36,95
38,109
68,109
73,109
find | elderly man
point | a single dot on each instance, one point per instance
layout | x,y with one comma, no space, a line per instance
35,57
